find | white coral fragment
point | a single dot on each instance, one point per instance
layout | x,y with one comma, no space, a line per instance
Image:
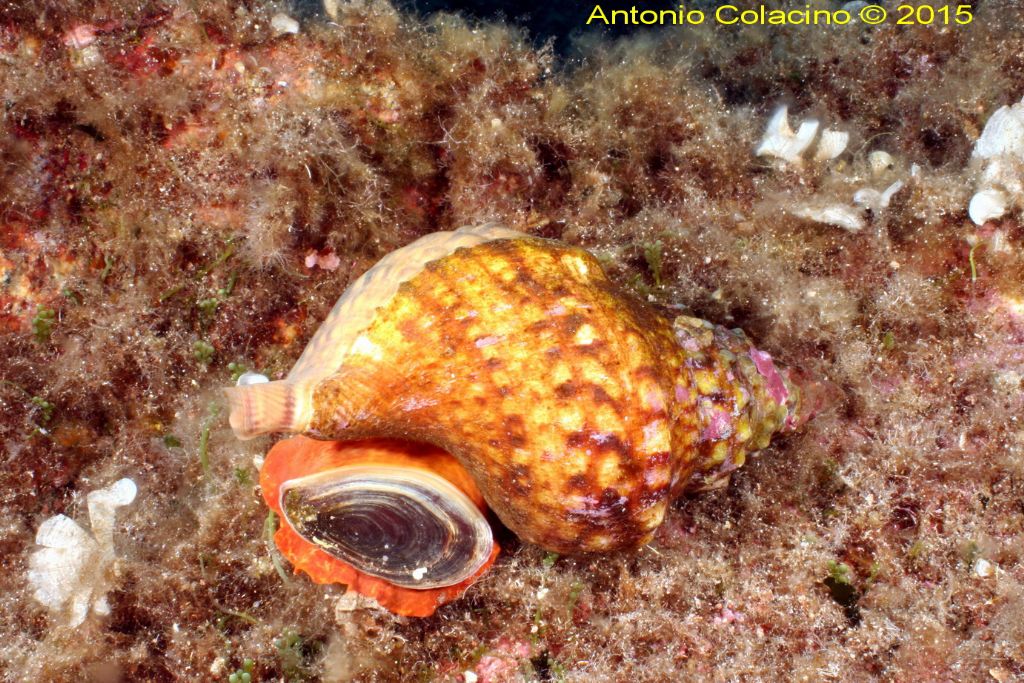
832,144
871,198
983,568
1003,133
987,205
282,23
780,141
1000,150
880,161
70,572
839,215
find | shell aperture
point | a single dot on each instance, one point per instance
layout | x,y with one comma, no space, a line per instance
301,459
408,526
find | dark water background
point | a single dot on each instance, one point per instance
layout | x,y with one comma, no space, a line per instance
557,20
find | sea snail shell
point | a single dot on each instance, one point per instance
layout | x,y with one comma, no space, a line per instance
574,411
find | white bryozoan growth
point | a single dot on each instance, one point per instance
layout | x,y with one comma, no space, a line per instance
1000,154
781,142
74,568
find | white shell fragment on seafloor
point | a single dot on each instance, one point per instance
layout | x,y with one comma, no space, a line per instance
1003,133
70,572
880,161
983,568
781,142
832,144
839,215
999,151
987,205
870,198
282,23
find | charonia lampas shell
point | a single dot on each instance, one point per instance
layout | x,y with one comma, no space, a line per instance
576,412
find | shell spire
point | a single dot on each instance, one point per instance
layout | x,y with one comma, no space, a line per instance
741,398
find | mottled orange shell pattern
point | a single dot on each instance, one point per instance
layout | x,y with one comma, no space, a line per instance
552,388
575,411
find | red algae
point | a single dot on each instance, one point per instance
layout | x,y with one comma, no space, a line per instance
168,171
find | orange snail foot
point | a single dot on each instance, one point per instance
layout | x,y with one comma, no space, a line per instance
301,456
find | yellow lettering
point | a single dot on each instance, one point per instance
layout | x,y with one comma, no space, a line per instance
598,13
649,16
824,13
721,12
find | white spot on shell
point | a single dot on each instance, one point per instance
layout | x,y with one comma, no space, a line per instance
250,378
653,398
415,403
656,437
484,342
419,573
656,477
362,346
584,335
577,265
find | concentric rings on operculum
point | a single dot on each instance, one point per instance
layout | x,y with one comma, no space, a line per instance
409,527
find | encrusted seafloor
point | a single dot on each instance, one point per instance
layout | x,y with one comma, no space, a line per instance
186,189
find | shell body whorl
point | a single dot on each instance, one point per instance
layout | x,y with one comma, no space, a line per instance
555,392
578,411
